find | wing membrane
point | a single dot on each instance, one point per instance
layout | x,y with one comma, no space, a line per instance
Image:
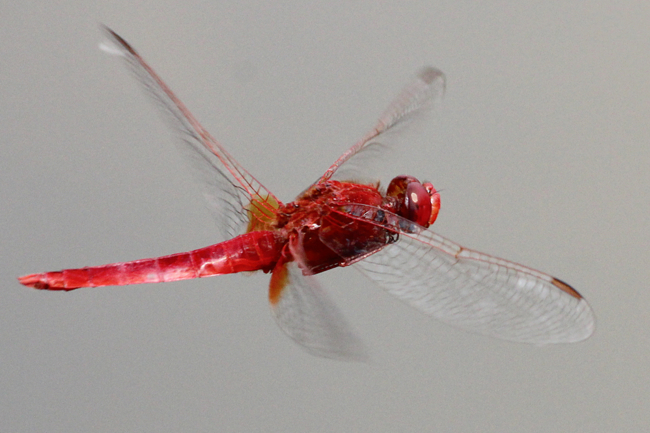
468,289
234,194
414,101
303,310
478,292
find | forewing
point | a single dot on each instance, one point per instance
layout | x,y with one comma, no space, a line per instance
306,314
472,290
233,193
413,103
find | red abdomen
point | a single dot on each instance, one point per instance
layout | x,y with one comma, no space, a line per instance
253,251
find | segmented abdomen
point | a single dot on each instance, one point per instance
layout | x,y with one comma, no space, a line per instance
252,251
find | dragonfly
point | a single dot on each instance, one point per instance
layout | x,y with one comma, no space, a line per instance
337,222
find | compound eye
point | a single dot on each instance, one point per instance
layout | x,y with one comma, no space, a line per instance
435,201
418,204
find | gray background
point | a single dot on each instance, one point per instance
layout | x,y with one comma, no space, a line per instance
540,149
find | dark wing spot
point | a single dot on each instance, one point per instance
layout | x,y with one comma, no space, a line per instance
566,288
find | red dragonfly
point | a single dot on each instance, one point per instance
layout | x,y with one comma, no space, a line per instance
340,223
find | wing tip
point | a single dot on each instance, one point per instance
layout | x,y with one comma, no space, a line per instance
429,75
566,288
117,45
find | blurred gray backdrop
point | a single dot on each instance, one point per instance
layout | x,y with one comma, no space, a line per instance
540,149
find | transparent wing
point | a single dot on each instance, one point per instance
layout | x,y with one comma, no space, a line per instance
478,292
306,314
469,289
233,193
413,102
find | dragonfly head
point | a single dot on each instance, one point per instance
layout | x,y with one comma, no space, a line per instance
417,202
